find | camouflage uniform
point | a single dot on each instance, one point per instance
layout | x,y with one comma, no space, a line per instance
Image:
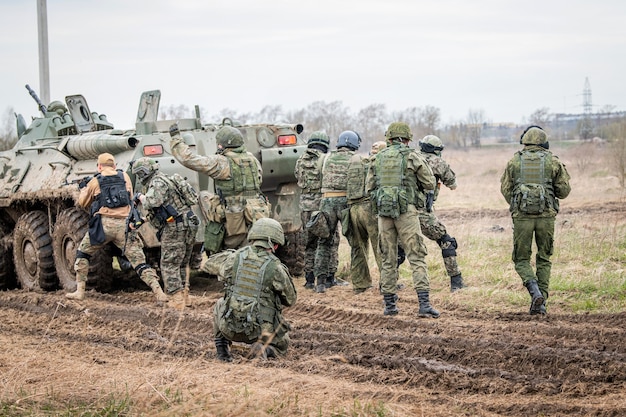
401,170
433,228
334,184
178,235
308,172
255,268
237,175
552,175
114,227
363,224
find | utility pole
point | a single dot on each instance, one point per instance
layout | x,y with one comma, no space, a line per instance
44,65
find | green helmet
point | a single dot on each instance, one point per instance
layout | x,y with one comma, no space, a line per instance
144,168
266,230
431,144
533,135
320,137
229,137
398,130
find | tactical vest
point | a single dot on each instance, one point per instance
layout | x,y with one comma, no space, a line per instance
181,194
248,307
533,193
310,180
244,174
394,190
335,171
357,172
113,192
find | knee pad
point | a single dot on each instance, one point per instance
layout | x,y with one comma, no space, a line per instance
448,246
141,267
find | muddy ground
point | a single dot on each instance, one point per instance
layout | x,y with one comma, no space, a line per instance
346,358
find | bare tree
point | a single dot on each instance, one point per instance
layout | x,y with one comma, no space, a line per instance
8,135
370,124
475,121
540,117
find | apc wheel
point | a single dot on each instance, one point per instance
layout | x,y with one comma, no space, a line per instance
7,270
70,228
32,252
292,253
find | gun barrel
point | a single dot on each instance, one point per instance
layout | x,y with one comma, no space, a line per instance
35,97
90,146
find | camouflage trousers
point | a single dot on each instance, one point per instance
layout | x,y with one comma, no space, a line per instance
310,247
114,231
276,336
326,248
543,230
434,230
176,248
363,231
406,231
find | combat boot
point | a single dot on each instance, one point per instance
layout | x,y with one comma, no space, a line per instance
390,304
456,283
321,284
310,281
158,292
79,294
426,310
223,351
331,281
177,300
536,296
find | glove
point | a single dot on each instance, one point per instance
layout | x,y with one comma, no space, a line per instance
430,200
83,183
174,130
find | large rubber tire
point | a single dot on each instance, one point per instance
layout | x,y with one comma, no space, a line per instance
32,252
292,254
7,270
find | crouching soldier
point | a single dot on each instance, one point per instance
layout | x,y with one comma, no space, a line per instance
256,292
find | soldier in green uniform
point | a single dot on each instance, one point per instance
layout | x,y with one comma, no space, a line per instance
397,181
108,197
334,201
168,201
431,147
363,224
256,292
308,172
533,182
237,175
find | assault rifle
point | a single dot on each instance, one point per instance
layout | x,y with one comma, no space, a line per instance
82,182
134,219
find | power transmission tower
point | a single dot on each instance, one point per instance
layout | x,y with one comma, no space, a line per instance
586,125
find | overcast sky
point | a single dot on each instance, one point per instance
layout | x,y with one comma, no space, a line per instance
507,58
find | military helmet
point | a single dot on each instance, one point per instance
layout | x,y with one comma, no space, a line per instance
378,146
229,137
144,168
319,137
57,107
349,139
398,130
431,144
266,230
533,135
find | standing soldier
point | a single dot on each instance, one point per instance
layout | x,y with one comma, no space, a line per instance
363,225
256,292
308,172
334,185
533,182
168,201
237,175
397,181
108,197
431,147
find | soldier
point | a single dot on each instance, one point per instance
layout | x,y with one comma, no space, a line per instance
334,201
363,225
431,147
533,182
168,201
308,172
108,196
256,292
237,175
397,181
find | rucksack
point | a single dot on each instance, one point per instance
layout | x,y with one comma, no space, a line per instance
391,195
185,191
532,195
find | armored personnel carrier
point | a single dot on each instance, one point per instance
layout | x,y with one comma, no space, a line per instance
40,224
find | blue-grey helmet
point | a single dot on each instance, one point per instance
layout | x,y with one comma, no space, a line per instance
349,139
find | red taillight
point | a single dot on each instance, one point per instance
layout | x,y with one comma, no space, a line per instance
150,150
287,140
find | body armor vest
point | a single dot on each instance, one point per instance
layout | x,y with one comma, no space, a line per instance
335,171
243,175
311,178
357,172
533,187
113,192
391,171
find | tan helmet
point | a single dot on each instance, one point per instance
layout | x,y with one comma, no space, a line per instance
229,137
398,130
377,147
533,135
264,231
431,144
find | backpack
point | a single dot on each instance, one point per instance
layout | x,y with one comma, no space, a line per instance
391,197
532,195
309,173
187,194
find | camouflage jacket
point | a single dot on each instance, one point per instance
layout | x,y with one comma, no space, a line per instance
308,172
441,170
161,192
558,185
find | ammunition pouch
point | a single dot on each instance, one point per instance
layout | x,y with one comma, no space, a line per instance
318,225
211,207
257,208
213,237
